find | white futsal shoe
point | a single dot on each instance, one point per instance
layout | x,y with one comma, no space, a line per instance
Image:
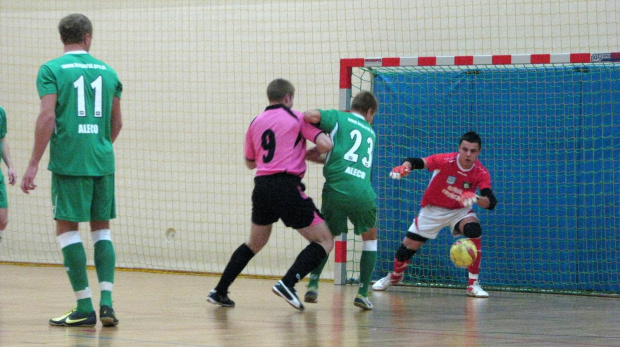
476,290
386,282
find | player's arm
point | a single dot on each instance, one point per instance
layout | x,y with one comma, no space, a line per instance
42,134
6,156
248,149
323,143
251,164
313,117
487,199
315,156
415,163
405,168
117,118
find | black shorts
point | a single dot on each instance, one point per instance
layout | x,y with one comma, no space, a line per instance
281,196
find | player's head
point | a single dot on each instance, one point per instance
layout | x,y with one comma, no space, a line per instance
75,28
470,146
471,137
366,104
281,91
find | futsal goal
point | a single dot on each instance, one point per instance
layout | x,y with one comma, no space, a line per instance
550,128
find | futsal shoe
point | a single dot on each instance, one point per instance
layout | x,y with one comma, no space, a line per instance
476,290
312,295
386,282
220,299
74,318
107,316
362,302
288,294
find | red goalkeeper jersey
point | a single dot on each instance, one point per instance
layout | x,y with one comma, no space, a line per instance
449,180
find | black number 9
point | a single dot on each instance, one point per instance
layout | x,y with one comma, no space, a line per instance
269,144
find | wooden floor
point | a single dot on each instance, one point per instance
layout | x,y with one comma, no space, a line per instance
171,310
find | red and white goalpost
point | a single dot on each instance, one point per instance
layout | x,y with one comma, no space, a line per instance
348,65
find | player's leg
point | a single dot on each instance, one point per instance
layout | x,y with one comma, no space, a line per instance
368,261
411,243
321,243
259,236
4,208
3,221
103,209
312,290
105,264
265,212
299,212
363,216
71,197
470,228
426,225
336,220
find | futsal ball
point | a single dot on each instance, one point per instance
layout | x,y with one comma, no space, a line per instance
463,253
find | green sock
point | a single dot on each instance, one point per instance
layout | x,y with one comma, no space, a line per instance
75,264
367,266
316,274
105,262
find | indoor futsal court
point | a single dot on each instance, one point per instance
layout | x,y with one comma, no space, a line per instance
171,310
538,80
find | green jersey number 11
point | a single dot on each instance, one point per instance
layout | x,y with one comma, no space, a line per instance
81,101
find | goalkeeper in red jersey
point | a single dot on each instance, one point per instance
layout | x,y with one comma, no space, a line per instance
447,202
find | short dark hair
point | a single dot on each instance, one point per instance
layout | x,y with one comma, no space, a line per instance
472,137
278,88
73,27
364,101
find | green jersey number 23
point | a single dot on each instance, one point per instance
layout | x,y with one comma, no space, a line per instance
351,154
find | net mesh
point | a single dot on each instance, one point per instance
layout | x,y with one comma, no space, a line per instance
551,143
194,75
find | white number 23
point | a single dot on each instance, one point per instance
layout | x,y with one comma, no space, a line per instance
351,154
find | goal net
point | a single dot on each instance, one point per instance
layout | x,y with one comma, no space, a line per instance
550,128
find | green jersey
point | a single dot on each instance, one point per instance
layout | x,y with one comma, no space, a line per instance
349,164
2,126
81,144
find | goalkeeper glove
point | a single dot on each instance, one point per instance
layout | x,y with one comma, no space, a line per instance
467,199
399,172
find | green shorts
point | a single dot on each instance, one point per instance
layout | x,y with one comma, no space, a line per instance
4,202
337,210
83,198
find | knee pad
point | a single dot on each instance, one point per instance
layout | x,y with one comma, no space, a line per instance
416,237
403,253
472,230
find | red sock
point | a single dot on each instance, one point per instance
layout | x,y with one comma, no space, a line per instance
399,268
474,268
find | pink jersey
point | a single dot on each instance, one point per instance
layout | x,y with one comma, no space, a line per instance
449,180
276,140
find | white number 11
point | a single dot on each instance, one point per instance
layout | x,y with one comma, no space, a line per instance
81,102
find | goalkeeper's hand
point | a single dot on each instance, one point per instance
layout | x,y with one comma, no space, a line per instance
399,172
467,199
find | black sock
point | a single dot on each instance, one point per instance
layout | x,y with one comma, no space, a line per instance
238,261
306,261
